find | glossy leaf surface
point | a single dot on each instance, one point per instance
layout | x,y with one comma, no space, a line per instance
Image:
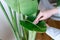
28,24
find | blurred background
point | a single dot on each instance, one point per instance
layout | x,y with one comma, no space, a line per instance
6,31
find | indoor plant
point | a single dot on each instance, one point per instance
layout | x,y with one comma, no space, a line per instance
22,25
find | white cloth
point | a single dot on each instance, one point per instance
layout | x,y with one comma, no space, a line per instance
58,10
53,33
45,5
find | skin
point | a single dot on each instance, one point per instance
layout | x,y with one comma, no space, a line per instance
45,15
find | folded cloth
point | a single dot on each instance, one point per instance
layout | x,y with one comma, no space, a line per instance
53,33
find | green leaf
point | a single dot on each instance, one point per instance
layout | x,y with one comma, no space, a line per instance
26,7
40,27
58,2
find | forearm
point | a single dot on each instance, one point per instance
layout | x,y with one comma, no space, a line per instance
55,10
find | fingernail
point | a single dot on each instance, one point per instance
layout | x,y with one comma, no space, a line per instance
35,22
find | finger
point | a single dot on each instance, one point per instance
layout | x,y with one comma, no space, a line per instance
39,16
37,19
35,22
43,18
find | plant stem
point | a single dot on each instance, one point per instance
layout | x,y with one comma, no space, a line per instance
10,12
32,35
5,13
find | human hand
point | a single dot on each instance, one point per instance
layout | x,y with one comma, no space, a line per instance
44,15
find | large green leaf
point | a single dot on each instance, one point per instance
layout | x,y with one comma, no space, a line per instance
58,2
26,7
28,24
